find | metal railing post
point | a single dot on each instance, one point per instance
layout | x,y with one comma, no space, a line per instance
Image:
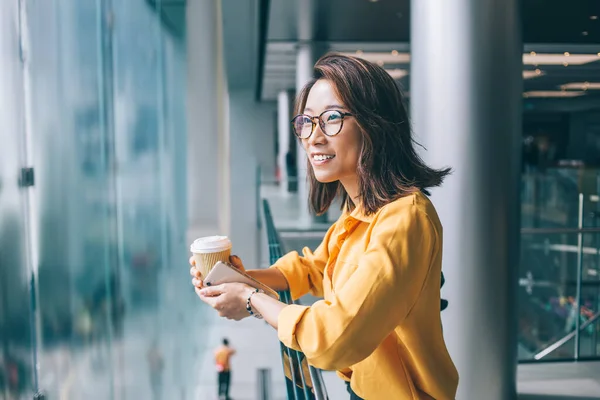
264,384
579,276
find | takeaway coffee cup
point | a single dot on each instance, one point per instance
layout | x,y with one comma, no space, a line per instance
209,250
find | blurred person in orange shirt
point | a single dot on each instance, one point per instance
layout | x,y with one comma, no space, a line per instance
222,360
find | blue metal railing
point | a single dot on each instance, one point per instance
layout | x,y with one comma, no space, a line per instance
303,381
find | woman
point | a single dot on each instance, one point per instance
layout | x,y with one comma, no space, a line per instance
379,266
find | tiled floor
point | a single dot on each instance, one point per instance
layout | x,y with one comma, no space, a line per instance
550,381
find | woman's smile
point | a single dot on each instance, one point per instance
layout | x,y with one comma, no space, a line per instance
320,159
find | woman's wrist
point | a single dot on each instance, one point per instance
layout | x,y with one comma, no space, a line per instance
268,307
247,292
250,293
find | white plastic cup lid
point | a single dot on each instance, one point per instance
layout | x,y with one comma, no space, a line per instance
210,244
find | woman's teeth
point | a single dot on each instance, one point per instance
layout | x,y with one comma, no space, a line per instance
322,157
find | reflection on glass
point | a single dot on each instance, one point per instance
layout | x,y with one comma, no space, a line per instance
105,109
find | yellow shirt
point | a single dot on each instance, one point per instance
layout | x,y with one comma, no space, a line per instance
379,324
223,356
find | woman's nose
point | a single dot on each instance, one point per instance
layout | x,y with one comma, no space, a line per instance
317,137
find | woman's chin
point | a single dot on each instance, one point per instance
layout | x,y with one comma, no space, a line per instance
325,178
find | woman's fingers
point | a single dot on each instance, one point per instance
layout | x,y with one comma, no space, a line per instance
192,261
212,301
211,291
208,300
197,282
195,273
237,262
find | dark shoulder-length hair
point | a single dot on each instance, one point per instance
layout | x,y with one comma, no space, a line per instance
389,166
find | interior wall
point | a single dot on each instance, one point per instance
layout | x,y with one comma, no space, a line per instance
203,115
252,136
266,139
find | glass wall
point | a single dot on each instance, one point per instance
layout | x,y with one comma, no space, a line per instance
91,282
17,344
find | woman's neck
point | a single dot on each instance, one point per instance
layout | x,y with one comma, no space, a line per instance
352,190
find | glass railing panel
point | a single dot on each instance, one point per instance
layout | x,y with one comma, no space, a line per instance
547,291
589,338
559,264
548,295
591,349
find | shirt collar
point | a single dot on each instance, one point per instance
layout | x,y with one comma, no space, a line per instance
358,214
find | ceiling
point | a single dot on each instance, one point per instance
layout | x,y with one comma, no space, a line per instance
376,29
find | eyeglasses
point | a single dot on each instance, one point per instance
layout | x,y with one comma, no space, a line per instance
330,121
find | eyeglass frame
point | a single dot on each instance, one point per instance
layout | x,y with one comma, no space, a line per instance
321,123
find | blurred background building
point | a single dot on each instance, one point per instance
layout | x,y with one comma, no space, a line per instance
129,128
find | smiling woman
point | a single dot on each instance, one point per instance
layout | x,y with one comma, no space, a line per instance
333,157
387,164
379,266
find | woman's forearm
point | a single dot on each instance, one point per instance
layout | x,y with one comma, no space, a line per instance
271,277
268,307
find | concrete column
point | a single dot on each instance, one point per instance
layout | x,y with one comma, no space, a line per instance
283,132
466,108
305,61
206,98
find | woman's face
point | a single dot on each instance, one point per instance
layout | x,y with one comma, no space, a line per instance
333,158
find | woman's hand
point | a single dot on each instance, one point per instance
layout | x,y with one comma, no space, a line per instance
229,299
237,262
197,276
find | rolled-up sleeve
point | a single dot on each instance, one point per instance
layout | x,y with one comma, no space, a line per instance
305,273
387,282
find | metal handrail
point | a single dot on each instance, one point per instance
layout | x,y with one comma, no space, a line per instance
311,387
543,231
